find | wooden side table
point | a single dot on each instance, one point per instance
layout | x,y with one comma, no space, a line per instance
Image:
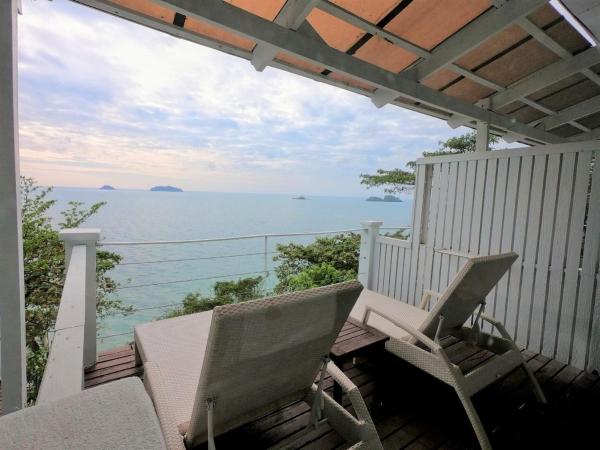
354,340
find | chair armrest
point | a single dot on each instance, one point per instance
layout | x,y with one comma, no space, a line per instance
499,326
153,381
426,299
403,325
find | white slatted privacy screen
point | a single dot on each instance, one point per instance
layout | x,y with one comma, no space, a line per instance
543,203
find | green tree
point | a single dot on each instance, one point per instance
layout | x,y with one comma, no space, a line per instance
395,181
44,272
223,293
318,275
340,252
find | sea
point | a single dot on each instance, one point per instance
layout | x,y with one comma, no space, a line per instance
154,278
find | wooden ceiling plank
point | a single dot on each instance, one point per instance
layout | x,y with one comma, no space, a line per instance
472,35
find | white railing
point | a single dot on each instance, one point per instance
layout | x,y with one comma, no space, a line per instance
73,345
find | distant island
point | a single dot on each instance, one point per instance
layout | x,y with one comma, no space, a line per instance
166,189
387,198
107,187
301,197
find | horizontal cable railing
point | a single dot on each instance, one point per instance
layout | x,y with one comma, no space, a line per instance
264,267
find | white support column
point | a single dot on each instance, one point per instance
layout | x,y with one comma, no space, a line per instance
88,237
12,300
482,137
367,251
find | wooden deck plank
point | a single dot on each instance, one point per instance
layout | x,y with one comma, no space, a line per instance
402,411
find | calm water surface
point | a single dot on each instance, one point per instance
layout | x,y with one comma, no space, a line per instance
142,215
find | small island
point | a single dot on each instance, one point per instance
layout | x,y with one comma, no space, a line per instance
107,187
387,198
301,197
166,189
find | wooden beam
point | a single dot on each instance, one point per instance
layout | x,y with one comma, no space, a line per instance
545,77
544,39
12,300
486,26
291,16
241,22
577,111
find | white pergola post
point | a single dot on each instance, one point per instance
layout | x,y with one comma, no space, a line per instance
482,137
12,300
368,240
87,237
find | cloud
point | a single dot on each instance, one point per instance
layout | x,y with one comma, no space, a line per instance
105,101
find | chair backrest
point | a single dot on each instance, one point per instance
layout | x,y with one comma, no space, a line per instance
466,292
266,353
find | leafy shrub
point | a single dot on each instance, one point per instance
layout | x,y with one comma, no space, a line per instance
318,275
224,293
340,252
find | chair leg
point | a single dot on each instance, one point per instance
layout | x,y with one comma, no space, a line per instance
482,436
535,385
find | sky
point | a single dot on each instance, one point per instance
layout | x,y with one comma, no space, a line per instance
106,101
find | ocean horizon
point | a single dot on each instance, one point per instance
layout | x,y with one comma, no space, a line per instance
154,275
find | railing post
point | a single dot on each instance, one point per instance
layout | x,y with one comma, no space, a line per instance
12,299
368,240
88,237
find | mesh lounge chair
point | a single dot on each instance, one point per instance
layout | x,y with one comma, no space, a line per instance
214,371
415,333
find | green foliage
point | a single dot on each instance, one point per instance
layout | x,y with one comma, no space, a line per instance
224,293
318,275
44,271
339,252
394,181
400,234
398,180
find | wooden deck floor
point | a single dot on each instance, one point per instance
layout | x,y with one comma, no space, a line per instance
414,411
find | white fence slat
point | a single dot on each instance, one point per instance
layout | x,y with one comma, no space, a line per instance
376,257
487,215
468,206
559,247
396,280
506,244
480,179
432,226
458,213
519,244
393,270
540,288
497,223
403,294
449,222
531,245
584,335
386,271
416,233
567,312
381,267
441,220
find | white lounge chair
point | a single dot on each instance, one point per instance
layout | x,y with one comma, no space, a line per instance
415,333
117,415
214,371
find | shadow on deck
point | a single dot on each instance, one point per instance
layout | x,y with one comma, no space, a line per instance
415,411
